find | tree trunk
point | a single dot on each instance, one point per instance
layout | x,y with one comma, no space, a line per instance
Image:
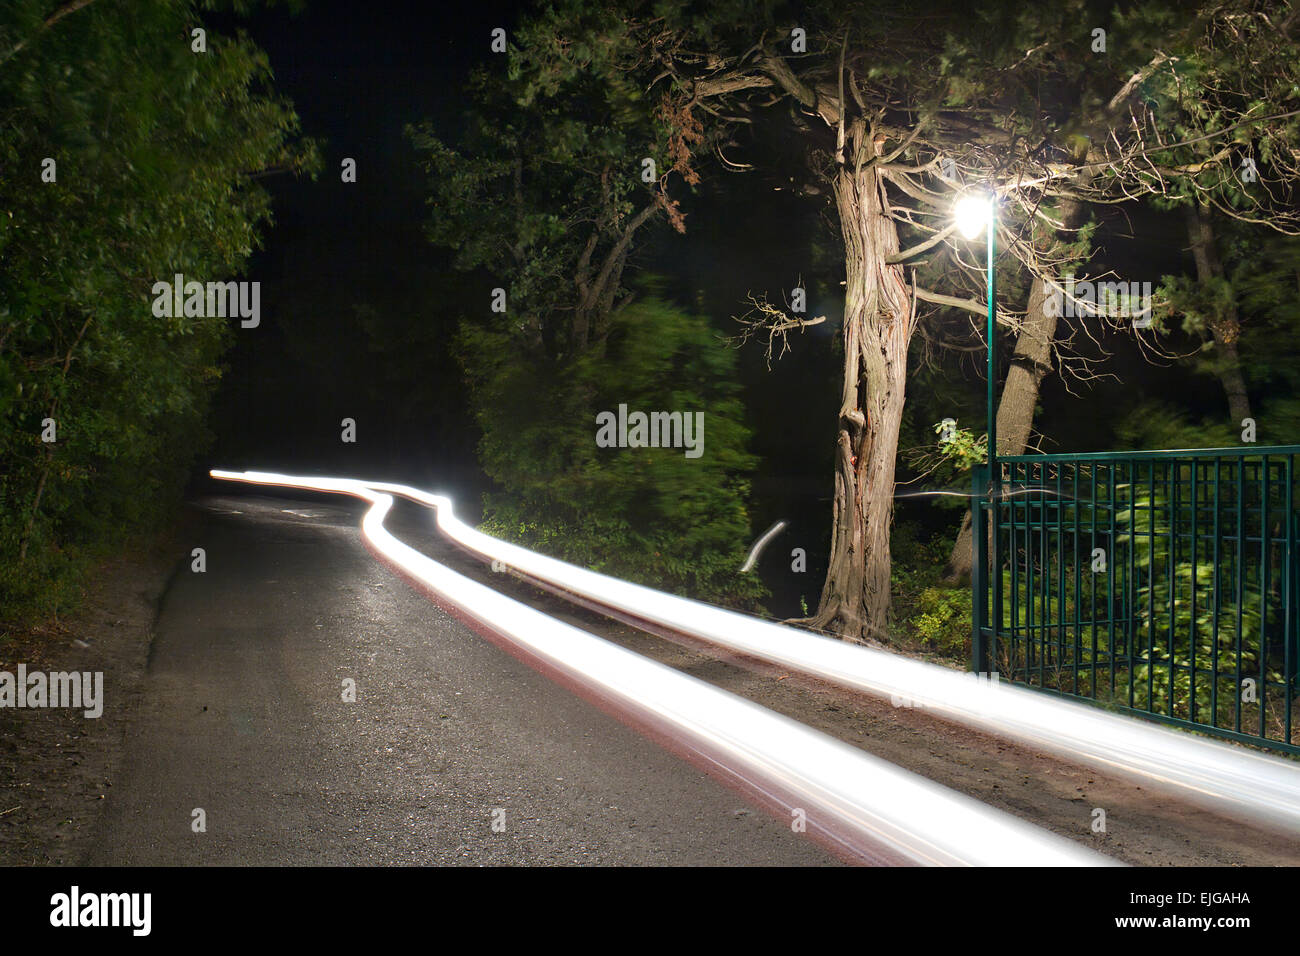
36,506
1234,383
878,324
1226,327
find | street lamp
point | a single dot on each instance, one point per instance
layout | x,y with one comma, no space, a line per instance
972,213
976,213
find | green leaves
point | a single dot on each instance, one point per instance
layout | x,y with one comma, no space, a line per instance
548,161
647,514
157,150
960,445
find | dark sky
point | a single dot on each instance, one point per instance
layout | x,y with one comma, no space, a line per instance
357,74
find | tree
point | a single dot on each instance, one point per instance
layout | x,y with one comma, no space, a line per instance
125,158
1209,95
901,112
1221,319
906,110
1244,317
547,188
650,514
545,193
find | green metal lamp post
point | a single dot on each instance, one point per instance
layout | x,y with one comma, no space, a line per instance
974,214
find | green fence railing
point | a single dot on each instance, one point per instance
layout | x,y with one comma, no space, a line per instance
1161,583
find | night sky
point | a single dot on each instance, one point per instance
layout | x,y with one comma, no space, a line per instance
336,250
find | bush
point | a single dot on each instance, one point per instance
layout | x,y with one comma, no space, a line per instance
928,612
650,515
156,150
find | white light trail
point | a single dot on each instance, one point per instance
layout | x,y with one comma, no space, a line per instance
1217,775
759,545
866,807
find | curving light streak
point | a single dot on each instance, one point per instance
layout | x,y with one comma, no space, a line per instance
1218,775
863,806
752,558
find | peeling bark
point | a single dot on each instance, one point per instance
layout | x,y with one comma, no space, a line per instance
878,324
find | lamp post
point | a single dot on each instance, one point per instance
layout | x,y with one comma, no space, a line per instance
974,214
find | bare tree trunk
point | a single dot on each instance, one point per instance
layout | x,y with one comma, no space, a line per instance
597,288
1225,327
36,506
878,325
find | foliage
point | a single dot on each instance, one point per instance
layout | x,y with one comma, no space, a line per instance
1222,99
1157,423
157,149
945,619
542,189
960,446
928,612
646,514
1176,602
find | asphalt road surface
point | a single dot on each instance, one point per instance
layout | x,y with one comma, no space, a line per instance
243,718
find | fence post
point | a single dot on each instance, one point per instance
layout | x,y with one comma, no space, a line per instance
981,631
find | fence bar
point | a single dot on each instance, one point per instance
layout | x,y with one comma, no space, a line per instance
981,633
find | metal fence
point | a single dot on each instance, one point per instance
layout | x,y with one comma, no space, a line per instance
1162,583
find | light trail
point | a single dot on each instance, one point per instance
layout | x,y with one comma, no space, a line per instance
861,806
1217,775
752,558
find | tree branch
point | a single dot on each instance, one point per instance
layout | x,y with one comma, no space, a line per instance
72,6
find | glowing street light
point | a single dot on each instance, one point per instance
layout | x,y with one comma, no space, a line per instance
973,213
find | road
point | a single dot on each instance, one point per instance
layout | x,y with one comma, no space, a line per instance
243,718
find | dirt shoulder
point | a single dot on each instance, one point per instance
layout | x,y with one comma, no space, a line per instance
56,765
